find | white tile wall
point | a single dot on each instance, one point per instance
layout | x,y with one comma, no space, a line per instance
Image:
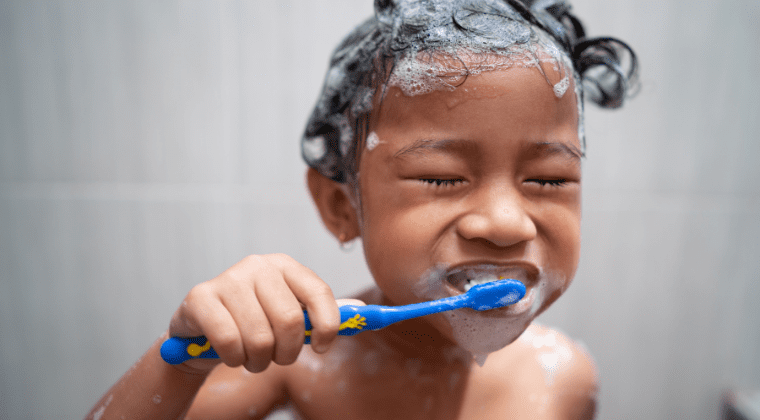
146,146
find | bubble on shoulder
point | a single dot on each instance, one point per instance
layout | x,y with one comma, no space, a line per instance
559,356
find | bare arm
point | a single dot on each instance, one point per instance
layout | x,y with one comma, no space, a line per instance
151,389
252,315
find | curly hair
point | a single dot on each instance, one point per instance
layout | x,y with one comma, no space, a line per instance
397,46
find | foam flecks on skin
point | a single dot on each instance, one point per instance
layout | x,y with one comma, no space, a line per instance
477,332
372,140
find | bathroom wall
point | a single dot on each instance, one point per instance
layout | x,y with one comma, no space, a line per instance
145,146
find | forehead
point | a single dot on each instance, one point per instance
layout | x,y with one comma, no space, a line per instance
517,99
446,68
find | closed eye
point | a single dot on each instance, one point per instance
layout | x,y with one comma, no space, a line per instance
557,182
438,182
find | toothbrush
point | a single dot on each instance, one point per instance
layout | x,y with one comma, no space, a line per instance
355,319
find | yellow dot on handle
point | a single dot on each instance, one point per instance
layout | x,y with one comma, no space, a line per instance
196,350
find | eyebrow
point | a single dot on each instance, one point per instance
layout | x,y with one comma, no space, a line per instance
535,150
446,145
546,149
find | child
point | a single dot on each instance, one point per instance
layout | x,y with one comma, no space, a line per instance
448,138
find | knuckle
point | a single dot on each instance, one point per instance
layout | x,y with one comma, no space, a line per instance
321,290
329,329
228,348
198,293
319,293
252,259
281,259
260,345
291,319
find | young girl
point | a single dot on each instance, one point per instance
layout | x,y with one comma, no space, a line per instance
448,138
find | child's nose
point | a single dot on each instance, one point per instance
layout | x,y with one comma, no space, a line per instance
498,216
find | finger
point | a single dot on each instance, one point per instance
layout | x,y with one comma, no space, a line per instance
203,311
285,316
320,304
255,330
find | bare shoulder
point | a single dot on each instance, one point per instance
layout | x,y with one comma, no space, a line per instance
550,375
571,374
235,393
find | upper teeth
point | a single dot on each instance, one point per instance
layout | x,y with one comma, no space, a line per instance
482,280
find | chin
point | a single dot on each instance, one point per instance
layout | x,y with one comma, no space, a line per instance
481,335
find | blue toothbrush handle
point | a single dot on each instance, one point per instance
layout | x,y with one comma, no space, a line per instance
354,319
176,350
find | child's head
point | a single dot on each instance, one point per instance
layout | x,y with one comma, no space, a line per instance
426,45
458,125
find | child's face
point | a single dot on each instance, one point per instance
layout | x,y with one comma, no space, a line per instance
483,180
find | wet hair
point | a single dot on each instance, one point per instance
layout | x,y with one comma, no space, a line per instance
425,45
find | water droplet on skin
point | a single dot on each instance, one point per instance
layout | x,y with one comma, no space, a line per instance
221,387
428,403
310,361
99,412
453,380
371,363
156,399
413,367
342,386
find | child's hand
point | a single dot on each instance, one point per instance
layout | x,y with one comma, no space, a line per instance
252,313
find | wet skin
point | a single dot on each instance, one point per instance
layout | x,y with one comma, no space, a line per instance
488,174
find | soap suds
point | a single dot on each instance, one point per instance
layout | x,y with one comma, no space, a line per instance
482,333
454,380
561,87
413,367
372,140
429,402
222,387
309,360
371,363
99,412
553,352
314,148
342,386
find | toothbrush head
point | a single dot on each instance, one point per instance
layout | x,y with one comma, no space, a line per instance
495,294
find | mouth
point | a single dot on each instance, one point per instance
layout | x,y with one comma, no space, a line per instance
463,278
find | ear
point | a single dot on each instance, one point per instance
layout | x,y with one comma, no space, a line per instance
334,205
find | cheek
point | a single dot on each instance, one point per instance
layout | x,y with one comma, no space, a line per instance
561,230
389,235
395,238
563,241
